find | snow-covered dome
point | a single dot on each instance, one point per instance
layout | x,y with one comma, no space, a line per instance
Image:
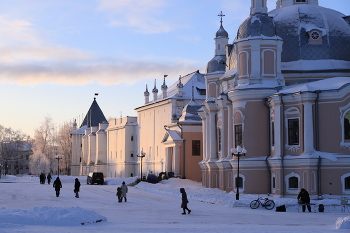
256,25
221,32
218,63
190,112
312,32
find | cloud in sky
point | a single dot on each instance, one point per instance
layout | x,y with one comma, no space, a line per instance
26,58
103,71
143,15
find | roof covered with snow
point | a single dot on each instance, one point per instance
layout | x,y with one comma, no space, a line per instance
194,79
322,85
292,24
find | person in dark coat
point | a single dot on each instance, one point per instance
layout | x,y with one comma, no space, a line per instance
304,199
57,185
42,178
184,201
76,187
119,194
124,191
49,178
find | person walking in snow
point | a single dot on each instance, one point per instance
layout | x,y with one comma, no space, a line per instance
304,199
76,187
119,194
49,178
124,191
184,201
57,185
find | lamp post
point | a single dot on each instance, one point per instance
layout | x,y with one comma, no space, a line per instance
238,152
58,157
141,155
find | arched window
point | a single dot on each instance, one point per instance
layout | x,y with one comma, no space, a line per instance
293,182
347,182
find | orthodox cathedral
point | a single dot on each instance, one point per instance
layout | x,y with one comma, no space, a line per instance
270,115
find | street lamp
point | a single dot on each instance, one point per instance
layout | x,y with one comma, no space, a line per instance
238,152
58,157
141,155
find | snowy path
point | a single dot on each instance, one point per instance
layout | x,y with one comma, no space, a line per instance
153,212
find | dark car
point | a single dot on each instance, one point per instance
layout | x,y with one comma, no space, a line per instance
95,177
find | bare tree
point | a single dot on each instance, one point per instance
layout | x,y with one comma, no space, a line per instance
65,146
39,163
45,139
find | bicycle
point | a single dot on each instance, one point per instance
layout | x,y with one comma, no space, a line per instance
268,204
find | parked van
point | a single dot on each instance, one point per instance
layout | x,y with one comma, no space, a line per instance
95,177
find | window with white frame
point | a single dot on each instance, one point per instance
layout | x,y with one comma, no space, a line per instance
293,131
292,183
238,135
345,180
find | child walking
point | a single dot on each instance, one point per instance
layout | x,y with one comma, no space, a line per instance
184,201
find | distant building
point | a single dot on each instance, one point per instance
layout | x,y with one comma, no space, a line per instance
16,158
167,130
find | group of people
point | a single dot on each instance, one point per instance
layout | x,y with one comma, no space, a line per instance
57,184
42,178
121,192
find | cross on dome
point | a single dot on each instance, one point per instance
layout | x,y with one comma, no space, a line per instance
221,15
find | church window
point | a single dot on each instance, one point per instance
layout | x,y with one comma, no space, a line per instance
132,155
293,131
273,182
132,138
218,46
347,182
238,135
315,37
196,147
347,126
300,1
293,182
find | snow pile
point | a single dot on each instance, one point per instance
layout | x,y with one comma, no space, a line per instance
343,223
119,181
54,216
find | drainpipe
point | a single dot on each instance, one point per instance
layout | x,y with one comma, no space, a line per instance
317,144
319,177
269,145
282,147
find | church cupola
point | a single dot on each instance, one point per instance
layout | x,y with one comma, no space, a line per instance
155,92
180,87
164,88
218,63
258,7
146,95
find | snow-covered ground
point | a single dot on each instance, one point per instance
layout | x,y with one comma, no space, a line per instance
27,206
